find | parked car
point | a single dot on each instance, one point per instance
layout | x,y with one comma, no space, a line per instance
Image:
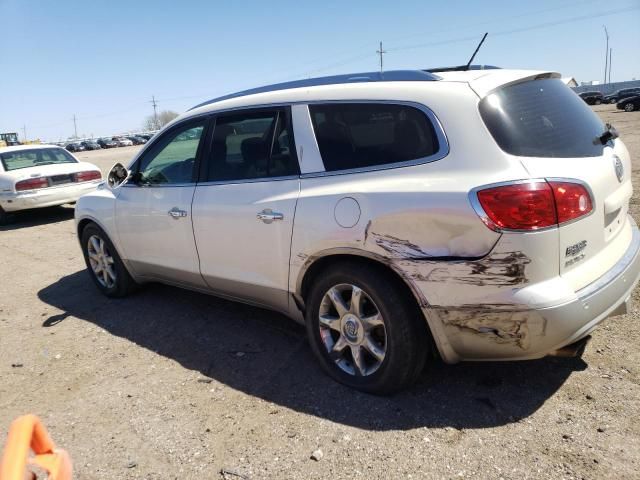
34,176
122,142
592,98
107,143
400,217
621,94
75,147
629,104
137,140
91,145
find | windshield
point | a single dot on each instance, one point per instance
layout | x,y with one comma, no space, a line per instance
35,157
542,118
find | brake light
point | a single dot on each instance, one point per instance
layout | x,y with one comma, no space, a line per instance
88,176
533,205
572,200
32,184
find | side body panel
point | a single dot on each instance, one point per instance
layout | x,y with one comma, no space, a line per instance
241,256
156,244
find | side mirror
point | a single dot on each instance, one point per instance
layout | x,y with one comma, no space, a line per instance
117,175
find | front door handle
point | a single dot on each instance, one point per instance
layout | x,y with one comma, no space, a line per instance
176,213
267,215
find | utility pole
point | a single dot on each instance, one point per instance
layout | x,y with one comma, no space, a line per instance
24,132
606,54
155,111
75,125
610,50
381,52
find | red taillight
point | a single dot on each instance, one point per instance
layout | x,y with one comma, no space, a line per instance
572,200
88,176
32,184
534,205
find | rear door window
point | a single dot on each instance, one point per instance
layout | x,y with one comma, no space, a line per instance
542,118
361,135
252,145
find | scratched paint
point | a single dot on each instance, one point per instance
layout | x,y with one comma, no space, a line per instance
497,269
495,323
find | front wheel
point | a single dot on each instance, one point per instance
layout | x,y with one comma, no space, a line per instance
629,107
366,329
598,102
104,264
613,100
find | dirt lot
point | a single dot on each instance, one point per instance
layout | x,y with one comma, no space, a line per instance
169,384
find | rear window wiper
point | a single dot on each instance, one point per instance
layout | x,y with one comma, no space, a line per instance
609,134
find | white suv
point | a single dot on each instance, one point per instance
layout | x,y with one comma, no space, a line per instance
474,215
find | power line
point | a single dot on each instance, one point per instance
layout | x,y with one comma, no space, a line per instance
519,30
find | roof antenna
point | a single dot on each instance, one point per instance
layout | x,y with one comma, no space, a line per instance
474,53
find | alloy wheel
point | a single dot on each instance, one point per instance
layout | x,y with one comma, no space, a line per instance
101,261
352,330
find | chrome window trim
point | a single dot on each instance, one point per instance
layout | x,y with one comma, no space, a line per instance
477,207
443,142
159,185
248,180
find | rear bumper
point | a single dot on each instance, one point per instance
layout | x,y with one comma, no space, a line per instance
515,332
46,197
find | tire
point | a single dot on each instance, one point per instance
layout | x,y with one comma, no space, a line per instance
613,100
398,335
98,249
5,218
598,101
629,107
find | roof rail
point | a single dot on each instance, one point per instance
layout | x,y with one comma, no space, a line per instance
461,68
390,76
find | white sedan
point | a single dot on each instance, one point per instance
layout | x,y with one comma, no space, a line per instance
34,176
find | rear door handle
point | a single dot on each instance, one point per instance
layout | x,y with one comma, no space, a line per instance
176,213
267,215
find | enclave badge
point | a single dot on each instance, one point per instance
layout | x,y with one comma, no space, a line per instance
617,163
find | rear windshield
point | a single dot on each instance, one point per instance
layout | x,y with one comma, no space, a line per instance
542,118
34,158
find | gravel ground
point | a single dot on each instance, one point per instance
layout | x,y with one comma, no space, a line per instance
170,384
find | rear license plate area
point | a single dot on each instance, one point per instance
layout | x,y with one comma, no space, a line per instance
60,179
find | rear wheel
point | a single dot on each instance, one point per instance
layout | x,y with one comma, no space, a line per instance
365,329
598,101
104,264
613,100
629,107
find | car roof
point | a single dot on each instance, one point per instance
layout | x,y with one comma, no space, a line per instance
360,84
15,148
364,77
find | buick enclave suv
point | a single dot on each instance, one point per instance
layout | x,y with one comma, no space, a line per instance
474,215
